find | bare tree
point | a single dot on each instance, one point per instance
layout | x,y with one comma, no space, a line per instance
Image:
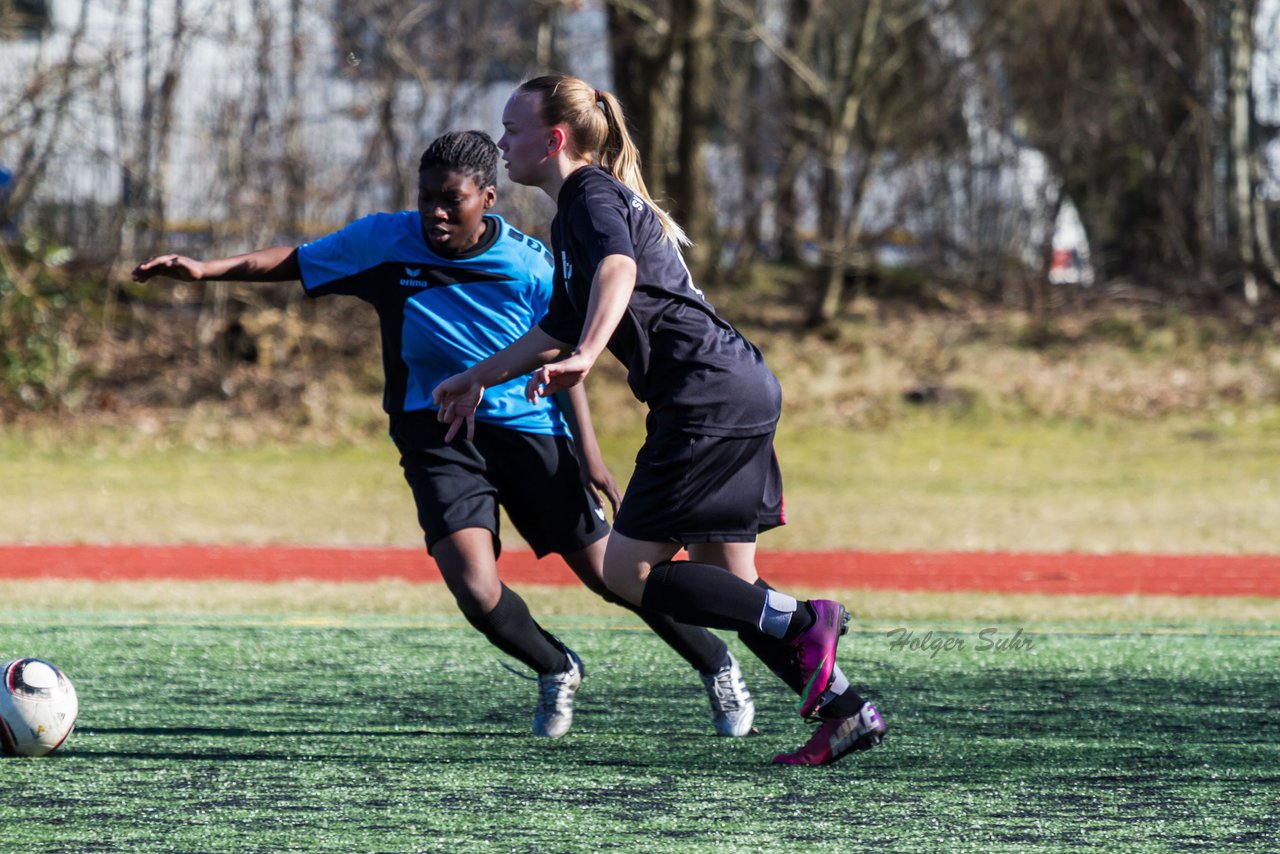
40,113
810,107
664,60
642,47
746,98
695,32
845,63
1118,95
144,176
1251,234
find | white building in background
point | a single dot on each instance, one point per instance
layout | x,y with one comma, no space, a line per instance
108,41
1266,88
122,48
127,44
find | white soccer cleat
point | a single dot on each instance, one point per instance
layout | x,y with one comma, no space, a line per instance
554,714
732,709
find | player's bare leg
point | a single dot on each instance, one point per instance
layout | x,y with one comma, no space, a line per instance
470,569
628,562
738,558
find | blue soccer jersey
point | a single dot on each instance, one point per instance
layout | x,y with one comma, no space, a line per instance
440,315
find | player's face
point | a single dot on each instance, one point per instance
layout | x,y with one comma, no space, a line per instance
524,141
452,208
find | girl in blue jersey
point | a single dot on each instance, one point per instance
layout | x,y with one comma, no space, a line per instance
706,477
453,284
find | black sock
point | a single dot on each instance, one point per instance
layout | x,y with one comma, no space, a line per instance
844,705
703,650
511,628
801,619
703,595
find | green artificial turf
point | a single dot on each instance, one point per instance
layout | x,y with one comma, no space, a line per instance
388,733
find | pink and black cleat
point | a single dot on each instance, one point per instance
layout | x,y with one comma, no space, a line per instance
815,651
837,738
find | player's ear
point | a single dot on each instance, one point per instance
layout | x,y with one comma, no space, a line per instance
490,196
556,141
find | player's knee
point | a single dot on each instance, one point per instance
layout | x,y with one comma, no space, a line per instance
625,580
475,594
587,566
466,564
471,604
598,587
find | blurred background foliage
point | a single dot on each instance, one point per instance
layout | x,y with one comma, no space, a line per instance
1032,208
41,314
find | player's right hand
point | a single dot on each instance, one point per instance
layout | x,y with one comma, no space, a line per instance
558,376
178,267
458,397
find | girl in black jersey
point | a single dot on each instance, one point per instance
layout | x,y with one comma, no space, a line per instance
706,477
451,283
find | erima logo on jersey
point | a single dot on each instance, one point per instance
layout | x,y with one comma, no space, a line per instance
637,203
412,281
565,266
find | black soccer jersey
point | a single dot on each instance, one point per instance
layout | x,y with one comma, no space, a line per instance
695,371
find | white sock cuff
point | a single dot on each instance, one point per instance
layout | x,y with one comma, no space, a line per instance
780,602
839,682
776,614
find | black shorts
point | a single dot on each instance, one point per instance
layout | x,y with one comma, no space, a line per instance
460,484
689,488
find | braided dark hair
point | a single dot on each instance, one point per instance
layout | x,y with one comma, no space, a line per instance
470,152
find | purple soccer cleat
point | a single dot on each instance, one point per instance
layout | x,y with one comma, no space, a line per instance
815,652
839,737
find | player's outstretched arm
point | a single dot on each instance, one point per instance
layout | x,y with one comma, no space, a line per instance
611,289
596,476
277,264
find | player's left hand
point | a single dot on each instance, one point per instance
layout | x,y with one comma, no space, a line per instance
558,376
597,479
458,397
178,267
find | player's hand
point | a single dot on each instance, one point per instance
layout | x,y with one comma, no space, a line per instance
458,398
178,267
597,478
558,376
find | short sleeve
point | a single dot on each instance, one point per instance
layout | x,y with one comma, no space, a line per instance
330,264
562,321
600,227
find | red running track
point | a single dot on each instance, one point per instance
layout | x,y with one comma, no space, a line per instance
1082,574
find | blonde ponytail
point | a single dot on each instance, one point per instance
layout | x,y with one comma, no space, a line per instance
598,132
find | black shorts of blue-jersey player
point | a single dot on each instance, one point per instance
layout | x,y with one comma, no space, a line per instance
461,485
451,284
706,473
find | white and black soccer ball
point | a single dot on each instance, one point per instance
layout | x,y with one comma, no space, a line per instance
38,707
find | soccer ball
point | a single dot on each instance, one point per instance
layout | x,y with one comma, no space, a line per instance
38,707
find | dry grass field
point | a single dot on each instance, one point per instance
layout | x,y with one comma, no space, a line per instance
1115,427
